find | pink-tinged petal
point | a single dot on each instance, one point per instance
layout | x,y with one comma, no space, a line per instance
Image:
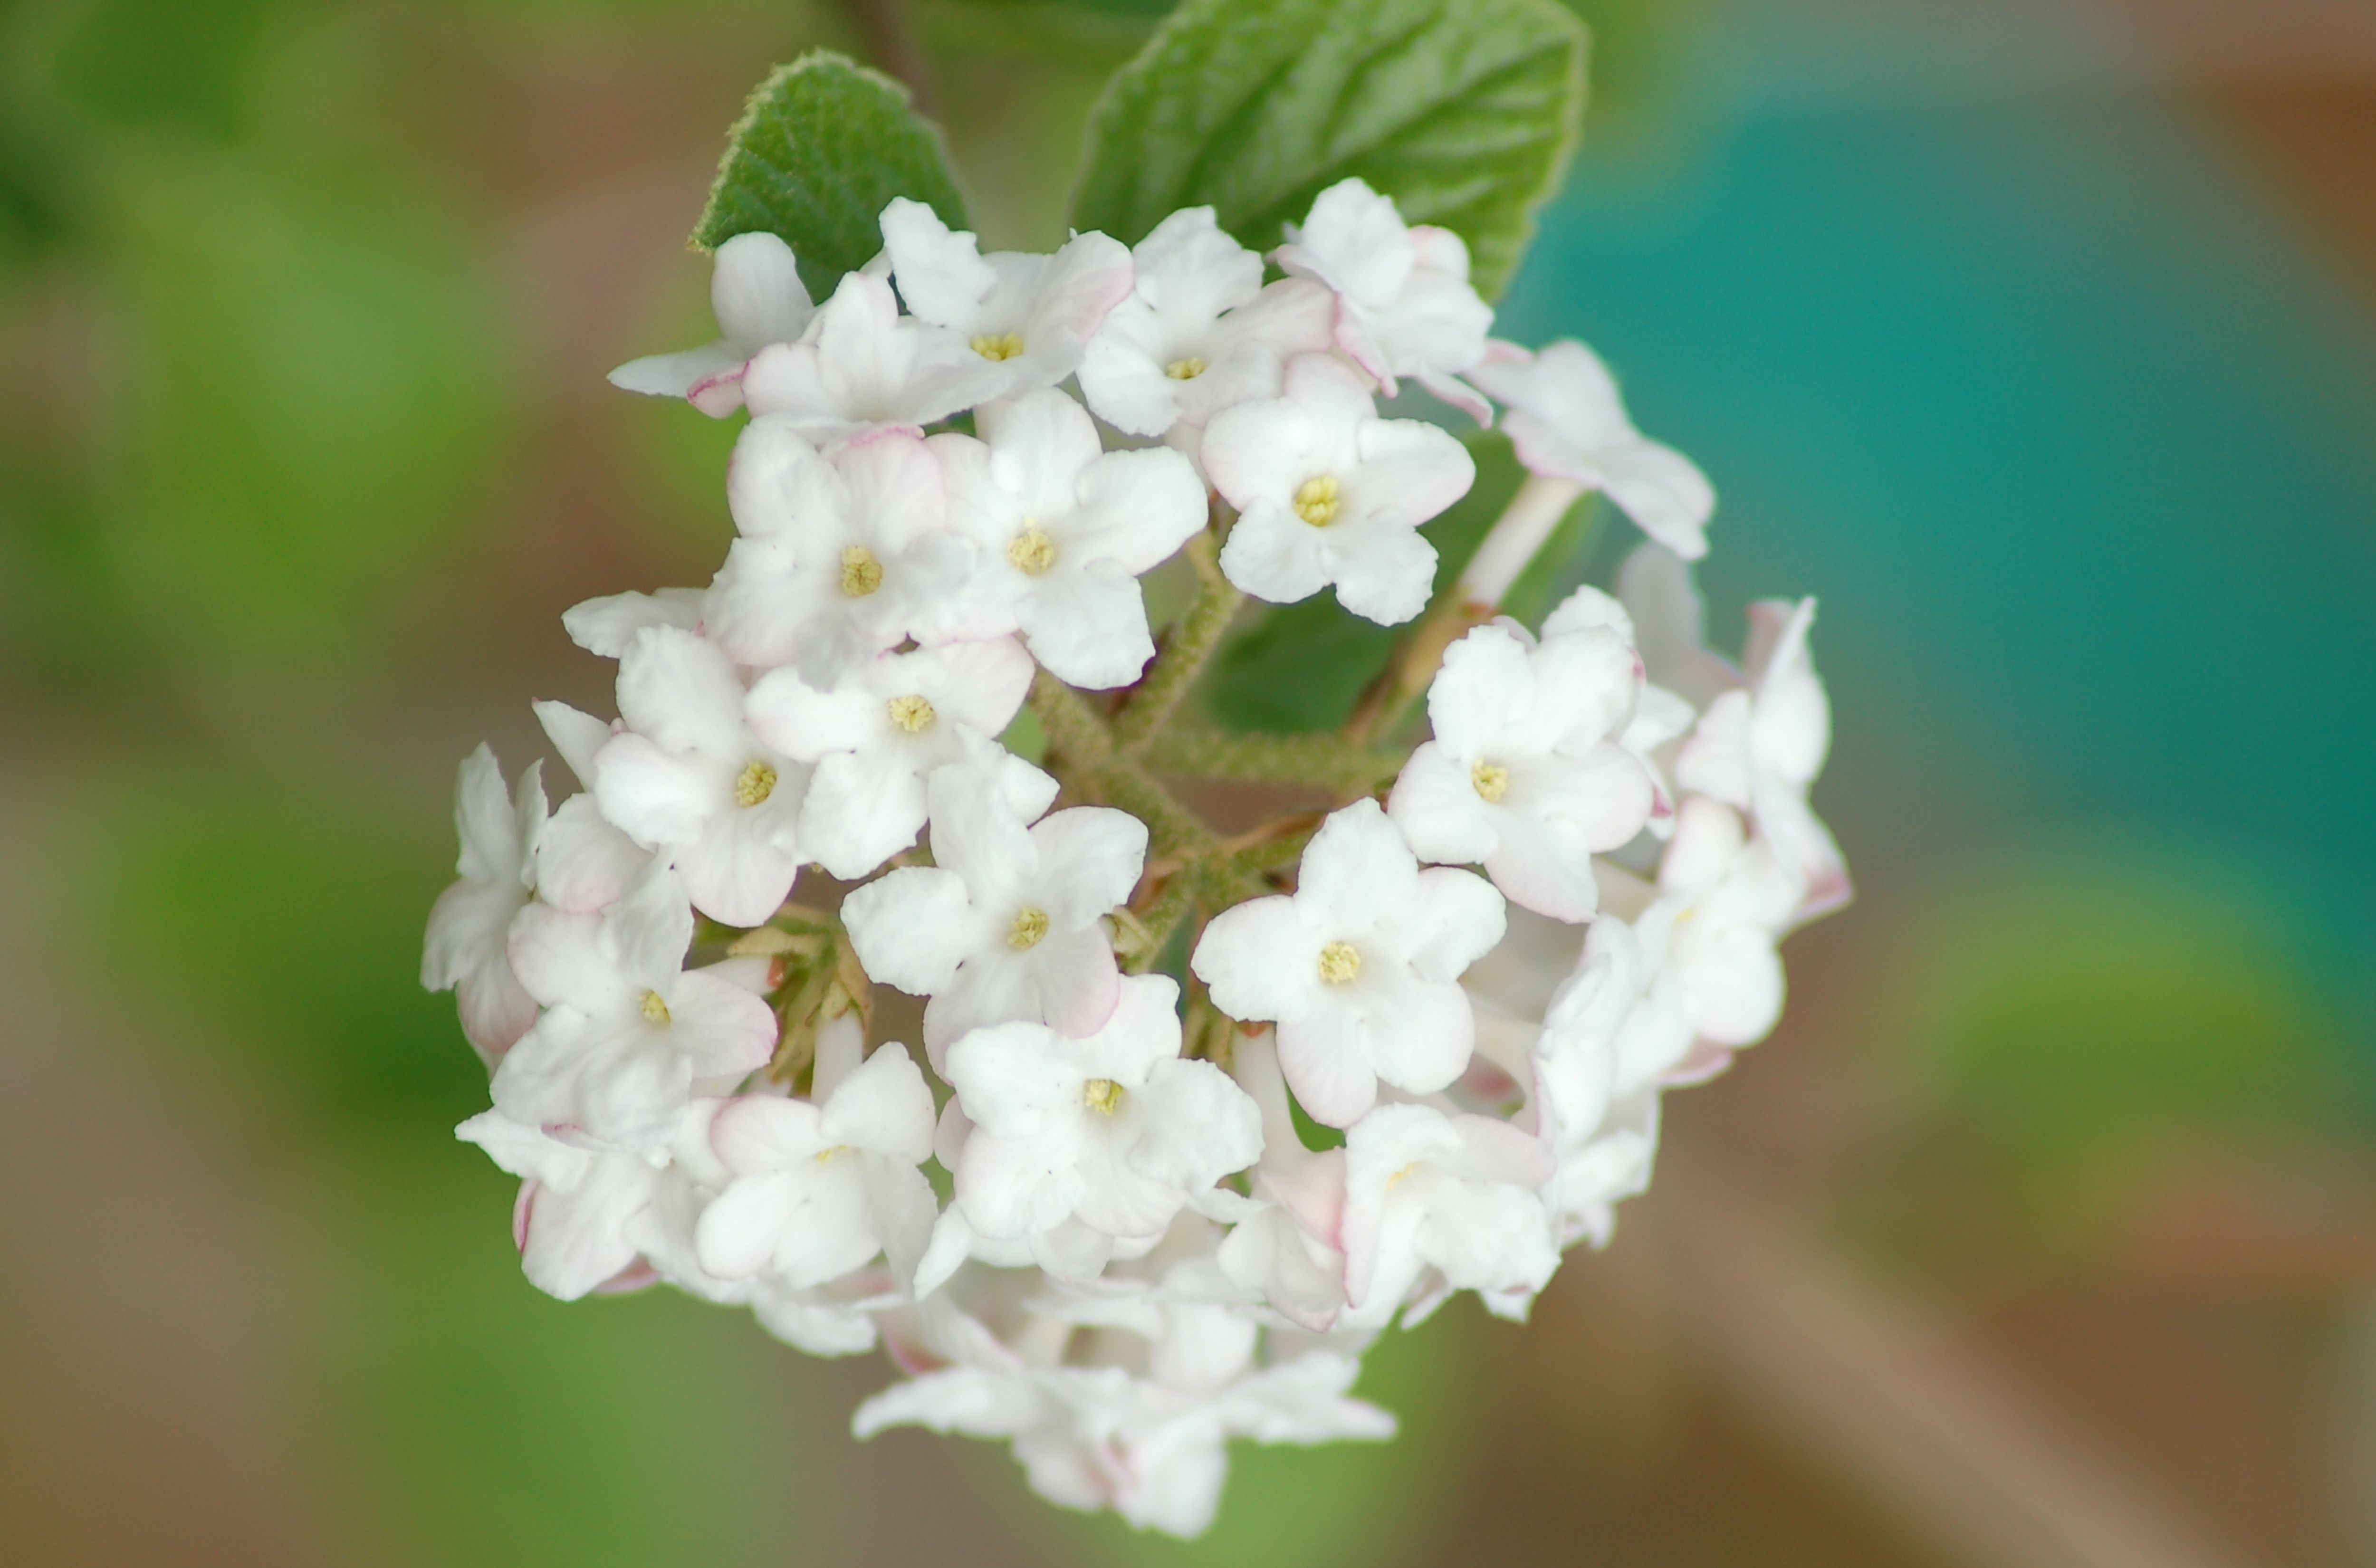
495,1008
737,1233
743,867
1260,450
1416,1035
1009,1186
584,865
1409,470
1357,872
1324,1054
1383,573
1275,556
1040,449
654,795
1089,628
1135,510
1075,980
981,683
1735,983
1436,804
862,808
759,1133
884,1107
1199,1127
755,290
1456,918
1538,866
805,723
720,1027
940,271
648,932
681,691
1663,492
1259,959
894,485
559,958
607,626
576,735
1090,858
1009,1076
776,484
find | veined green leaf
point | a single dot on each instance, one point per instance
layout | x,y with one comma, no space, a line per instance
820,151
1463,110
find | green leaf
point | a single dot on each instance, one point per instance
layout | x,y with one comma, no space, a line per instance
1302,666
1463,110
821,150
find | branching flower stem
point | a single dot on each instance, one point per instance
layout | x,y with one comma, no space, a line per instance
1193,642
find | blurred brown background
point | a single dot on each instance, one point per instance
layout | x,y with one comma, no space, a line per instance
2039,339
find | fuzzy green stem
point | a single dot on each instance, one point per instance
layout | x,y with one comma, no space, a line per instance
1184,652
1076,734
1326,760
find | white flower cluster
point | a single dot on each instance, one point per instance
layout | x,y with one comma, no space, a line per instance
1085,1229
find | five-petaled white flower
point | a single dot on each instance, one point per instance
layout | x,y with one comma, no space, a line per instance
1064,529
818,1189
1526,774
688,777
1114,1129
626,1031
1458,1194
1200,330
1328,492
1008,923
877,737
862,363
1029,315
1403,303
843,554
1359,967
1567,422
464,951
757,294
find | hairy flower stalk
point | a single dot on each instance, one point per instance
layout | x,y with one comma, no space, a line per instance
1137,1259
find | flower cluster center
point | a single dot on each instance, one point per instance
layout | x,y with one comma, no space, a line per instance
755,783
656,1009
911,713
1187,367
1492,780
1339,962
1030,925
861,574
1101,1095
1315,501
1031,551
998,346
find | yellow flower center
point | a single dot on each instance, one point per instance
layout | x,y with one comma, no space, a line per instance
910,713
825,1157
1188,367
861,574
1340,961
1032,551
1101,1095
754,784
1492,780
1397,1179
998,346
1315,501
654,1008
1029,926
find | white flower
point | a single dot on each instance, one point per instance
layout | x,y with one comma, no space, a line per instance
1200,331
1029,316
583,863
876,738
1724,901
818,1190
1065,530
463,950
1604,1146
580,1221
626,1031
861,363
1460,1194
842,555
1286,1250
1008,923
1659,717
1526,775
1329,492
1403,303
1759,748
688,776
1360,968
757,294
1114,1129
1567,422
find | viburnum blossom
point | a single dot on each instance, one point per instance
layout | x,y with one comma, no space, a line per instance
1084,1219
1527,774
1030,315
1200,331
757,294
1008,923
1328,492
1403,303
1064,529
1359,967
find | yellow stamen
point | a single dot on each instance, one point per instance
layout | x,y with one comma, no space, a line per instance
1032,551
1396,1179
998,346
1029,926
827,1156
754,784
654,1008
1188,367
1340,961
1315,501
1492,780
1101,1095
911,713
861,574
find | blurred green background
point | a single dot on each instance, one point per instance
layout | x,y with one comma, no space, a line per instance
2038,340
